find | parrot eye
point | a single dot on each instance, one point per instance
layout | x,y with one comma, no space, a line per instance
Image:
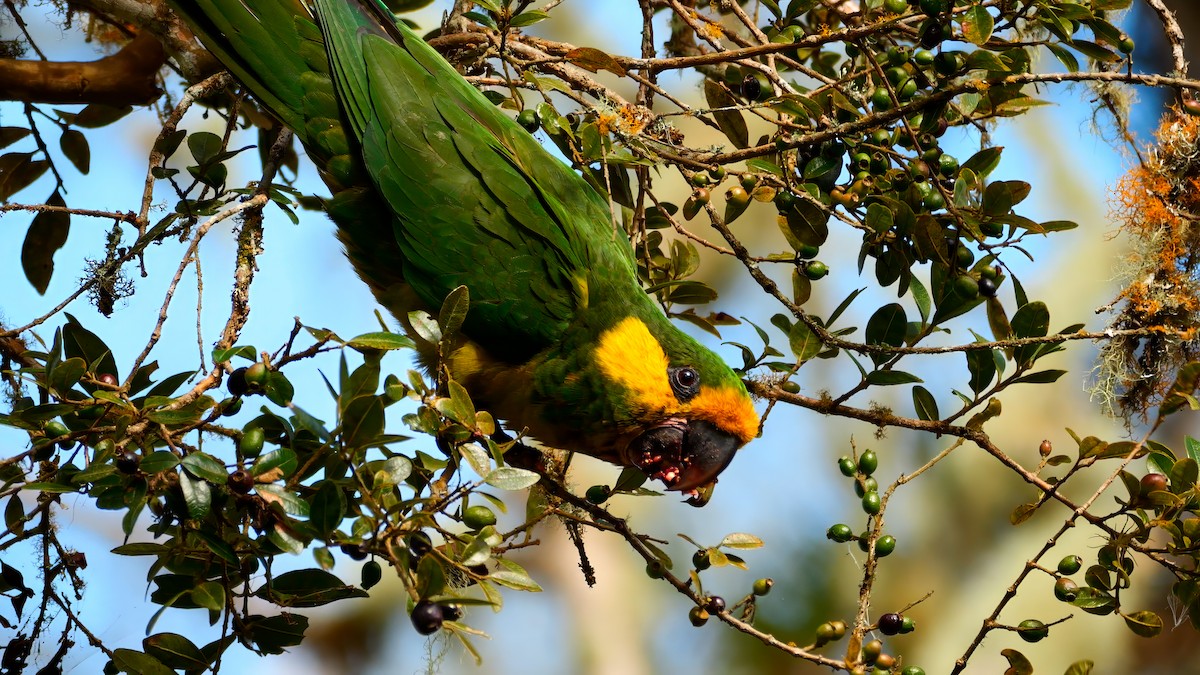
685,381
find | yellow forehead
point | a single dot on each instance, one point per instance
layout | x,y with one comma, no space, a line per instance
629,355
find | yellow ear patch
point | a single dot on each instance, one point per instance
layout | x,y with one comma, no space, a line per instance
630,356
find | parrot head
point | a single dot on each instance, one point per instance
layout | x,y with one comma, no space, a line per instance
678,412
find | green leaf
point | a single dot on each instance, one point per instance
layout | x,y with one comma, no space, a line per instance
458,406
982,367
47,234
98,115
454,311
887,326
209,595
18,170
137,663
983,162
382,340
307,588
528,18
175,651
925,404
804,342
511,478
204,145
977,24
283,459
1041,377
203,465
1031,320
197,496
514,576
891,377
291,503
159,461
1145,623
730,122
272,634
328,508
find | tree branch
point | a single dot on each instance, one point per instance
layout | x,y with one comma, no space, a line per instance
129,77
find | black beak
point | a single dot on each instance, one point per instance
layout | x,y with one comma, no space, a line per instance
684,457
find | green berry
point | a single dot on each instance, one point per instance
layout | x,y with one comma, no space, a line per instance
478,517
598,494
872,650
1125,45
698,179
868,462
991,228
895,6
700,560
966,287
762,586
923,58
790,387
868,484
881,137
251,443
825,633
841,533
871,503
885,545
655,569
1032,630
846,466
1070,564
881,99
256,376
807,252
748,181
913,670
947,166
528,120
698,616
815,269
717,173
784,200
908,625
934,200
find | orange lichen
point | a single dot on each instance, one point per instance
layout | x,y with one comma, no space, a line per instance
1158,205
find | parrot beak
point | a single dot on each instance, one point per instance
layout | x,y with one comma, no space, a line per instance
686,456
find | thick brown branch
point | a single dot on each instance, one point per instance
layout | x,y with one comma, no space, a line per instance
129,77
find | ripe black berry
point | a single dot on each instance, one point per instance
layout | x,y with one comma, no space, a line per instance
427,617
890,624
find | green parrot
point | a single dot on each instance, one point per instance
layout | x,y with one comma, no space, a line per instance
434,188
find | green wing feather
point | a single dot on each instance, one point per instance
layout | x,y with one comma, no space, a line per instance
477,201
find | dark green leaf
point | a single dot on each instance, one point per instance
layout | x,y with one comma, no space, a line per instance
731,122
175,651
204,145
307,588
925,404
209,595
890,377
98,115
47,233
327,509
203,465
886,327
137,663
1017,663
381,340
804,342
272,634
74,146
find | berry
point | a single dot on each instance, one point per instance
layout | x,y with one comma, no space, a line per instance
872,650
1070,564
748,181
987,287
871,504
700,194
895,6
698,179
256,377
478,517
717,172
240,481
841,533
784,200
1152,482
528,120
868,462
1032,630
737,195
885,545
889,624
715,604
1044,449
1125,45
55,429
839,629
107,379
913,670
790,387
700,560
966,287
923,58
947,165
756,87
846,466
934,201
427,617
763,586
236,384
598,494
127,462
884,663
815,269
452,612
907,625
251,443
1065,589
991,228
698,616
881,99
418,544
231,407
825,633
358,552
655,569
868,484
